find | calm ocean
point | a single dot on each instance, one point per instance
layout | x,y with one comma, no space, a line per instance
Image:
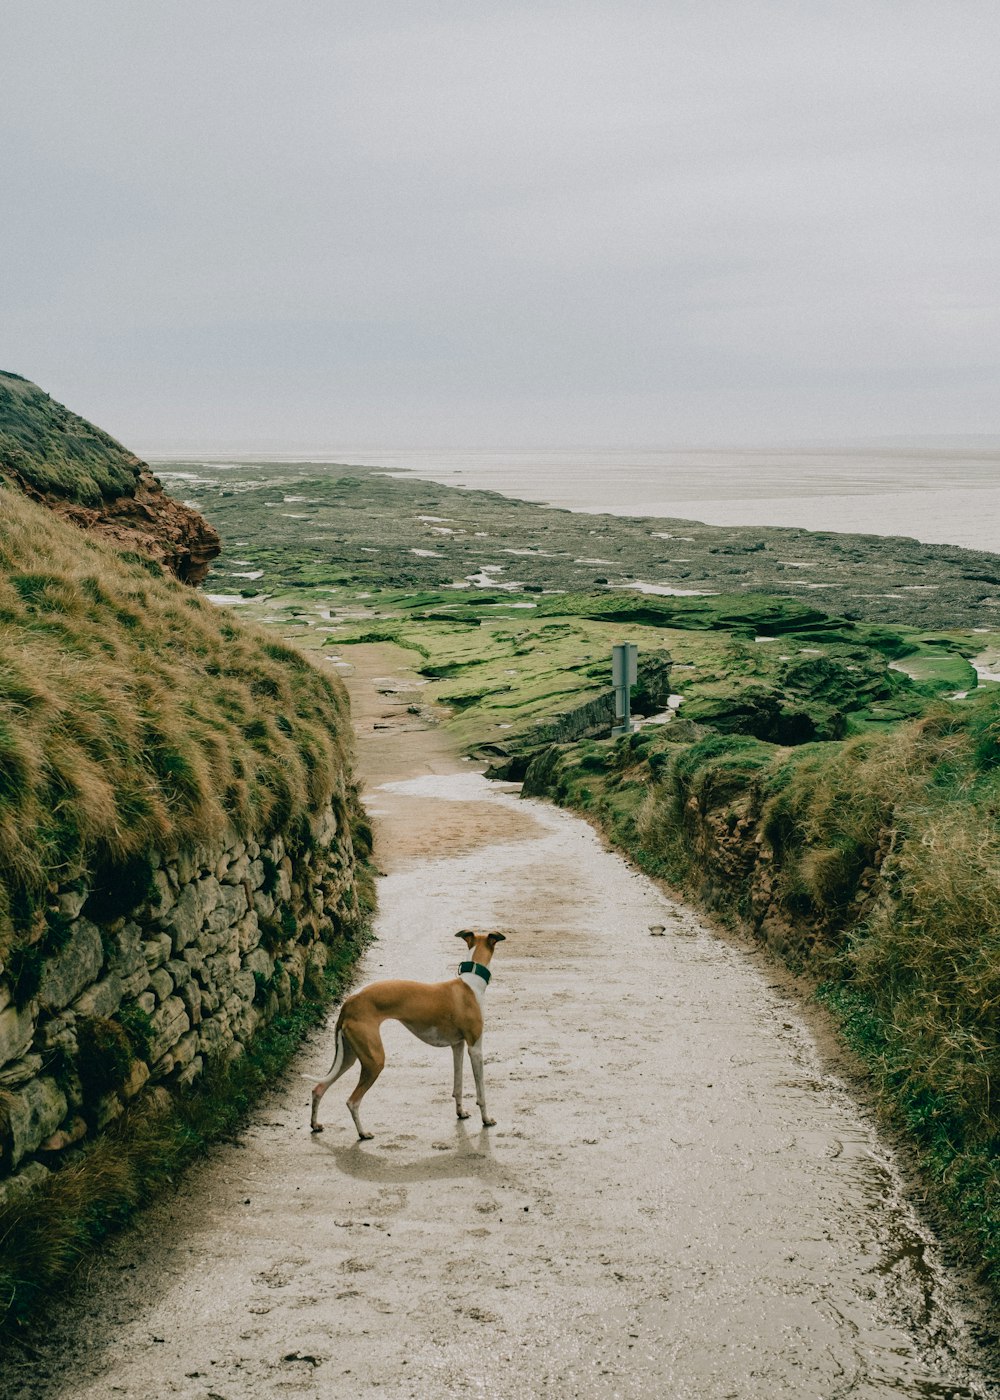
943,496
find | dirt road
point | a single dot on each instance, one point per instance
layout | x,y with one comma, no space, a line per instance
680,1197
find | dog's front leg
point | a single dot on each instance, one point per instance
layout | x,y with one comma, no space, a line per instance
476,1056
458,1051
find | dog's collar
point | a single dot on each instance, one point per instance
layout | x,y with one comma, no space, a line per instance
475,967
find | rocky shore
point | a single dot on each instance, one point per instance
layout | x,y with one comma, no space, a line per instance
359,528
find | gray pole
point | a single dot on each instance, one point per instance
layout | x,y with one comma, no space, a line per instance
624,672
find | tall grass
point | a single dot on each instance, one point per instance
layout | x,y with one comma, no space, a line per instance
134,714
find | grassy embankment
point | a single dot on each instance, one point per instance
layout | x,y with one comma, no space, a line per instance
52,451
135,716
873,865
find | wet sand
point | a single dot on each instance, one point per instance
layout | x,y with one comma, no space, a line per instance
680,1197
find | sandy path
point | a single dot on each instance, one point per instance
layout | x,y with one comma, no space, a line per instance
679,1199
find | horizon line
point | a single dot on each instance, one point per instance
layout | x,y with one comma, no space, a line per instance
281,449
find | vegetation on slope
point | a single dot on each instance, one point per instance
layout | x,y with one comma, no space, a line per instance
874,865
134,714
48,449
82,474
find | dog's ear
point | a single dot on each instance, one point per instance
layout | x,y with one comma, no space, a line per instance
492,938
467,935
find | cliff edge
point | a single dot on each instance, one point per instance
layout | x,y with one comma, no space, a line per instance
84,475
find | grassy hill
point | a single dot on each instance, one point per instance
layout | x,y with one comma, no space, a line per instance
48,449
83,474
134,713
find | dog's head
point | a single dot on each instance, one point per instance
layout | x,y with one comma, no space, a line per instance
480,945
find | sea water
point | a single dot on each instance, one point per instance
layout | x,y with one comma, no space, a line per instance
942,496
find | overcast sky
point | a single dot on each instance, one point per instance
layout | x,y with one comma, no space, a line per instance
308,223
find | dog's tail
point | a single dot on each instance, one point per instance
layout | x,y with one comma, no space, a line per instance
342,1061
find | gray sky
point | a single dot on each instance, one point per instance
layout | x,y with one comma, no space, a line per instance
314,223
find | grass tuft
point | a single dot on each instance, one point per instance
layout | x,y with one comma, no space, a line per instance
104,1055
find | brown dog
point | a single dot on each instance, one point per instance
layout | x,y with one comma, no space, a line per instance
438,1013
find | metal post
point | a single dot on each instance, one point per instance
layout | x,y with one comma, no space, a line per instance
624,673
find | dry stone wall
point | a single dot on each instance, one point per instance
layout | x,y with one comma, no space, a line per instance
221,941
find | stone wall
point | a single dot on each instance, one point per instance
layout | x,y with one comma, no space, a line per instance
220,941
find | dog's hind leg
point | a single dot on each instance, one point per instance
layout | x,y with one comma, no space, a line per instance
458,1051
372,1056
343,1058
476,1056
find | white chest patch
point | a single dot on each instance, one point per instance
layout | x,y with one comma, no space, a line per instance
475,984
